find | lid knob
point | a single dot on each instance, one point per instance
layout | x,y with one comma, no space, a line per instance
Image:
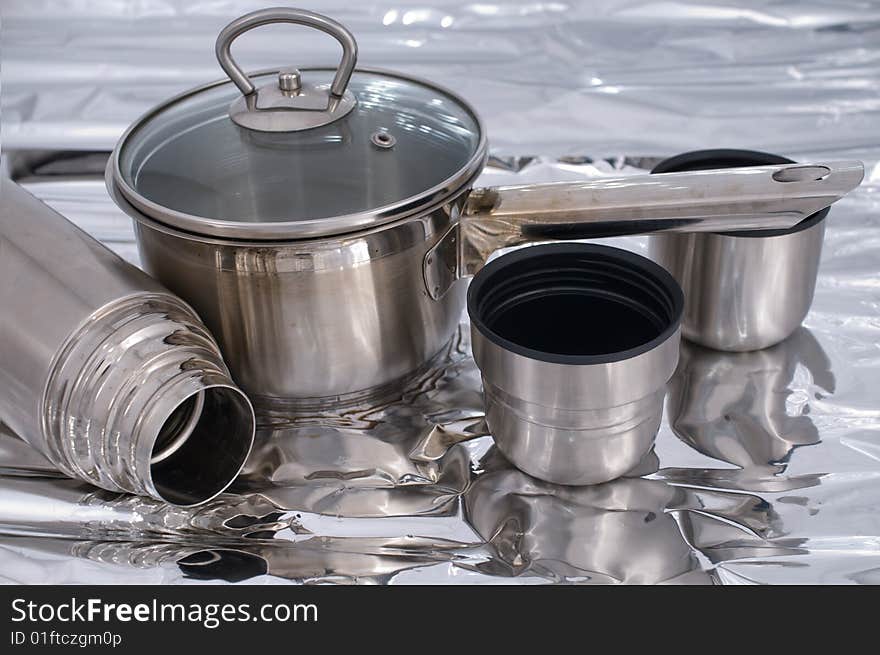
289,80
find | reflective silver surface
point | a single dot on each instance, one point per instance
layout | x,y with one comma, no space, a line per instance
734,407
618,532
189,176
185,165
312,322
744,293
112,378
788,77
368,309
750,197
764,470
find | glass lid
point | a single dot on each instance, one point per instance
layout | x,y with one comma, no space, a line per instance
303,154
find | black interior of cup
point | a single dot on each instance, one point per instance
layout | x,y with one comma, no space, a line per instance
702,160
575,303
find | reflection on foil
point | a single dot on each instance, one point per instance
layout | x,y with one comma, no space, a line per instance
400,458
232,538
316,561
769,462
618,532
360,561
739,408
69,509
18,458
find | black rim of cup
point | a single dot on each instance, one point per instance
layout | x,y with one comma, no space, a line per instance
575,303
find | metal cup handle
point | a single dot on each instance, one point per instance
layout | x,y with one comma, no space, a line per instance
285,15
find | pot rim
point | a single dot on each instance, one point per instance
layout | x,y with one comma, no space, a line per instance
329,240
297,230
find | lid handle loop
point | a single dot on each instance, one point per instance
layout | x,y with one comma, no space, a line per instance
291,103
286,15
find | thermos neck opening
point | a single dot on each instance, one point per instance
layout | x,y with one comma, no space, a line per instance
140,401
201,446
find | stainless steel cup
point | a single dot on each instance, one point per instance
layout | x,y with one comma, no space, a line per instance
743,290
575,343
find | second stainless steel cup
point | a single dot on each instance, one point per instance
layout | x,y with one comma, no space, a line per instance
575,343
744,290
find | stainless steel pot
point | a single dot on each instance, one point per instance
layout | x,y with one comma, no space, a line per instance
317,321
575,343
744,290
321,220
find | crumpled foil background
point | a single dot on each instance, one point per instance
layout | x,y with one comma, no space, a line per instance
767,465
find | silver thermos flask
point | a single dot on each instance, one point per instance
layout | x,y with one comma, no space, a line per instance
113,378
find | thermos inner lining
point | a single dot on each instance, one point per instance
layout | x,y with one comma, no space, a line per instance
575,301
178,427
206,453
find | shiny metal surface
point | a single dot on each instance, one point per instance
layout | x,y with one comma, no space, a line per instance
264,110
178,428
569,418
743,292
752,197
576,446
733,407
190,169
97,359
353,307
305,514
287,105
572,79
617,532
366,308
328,497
